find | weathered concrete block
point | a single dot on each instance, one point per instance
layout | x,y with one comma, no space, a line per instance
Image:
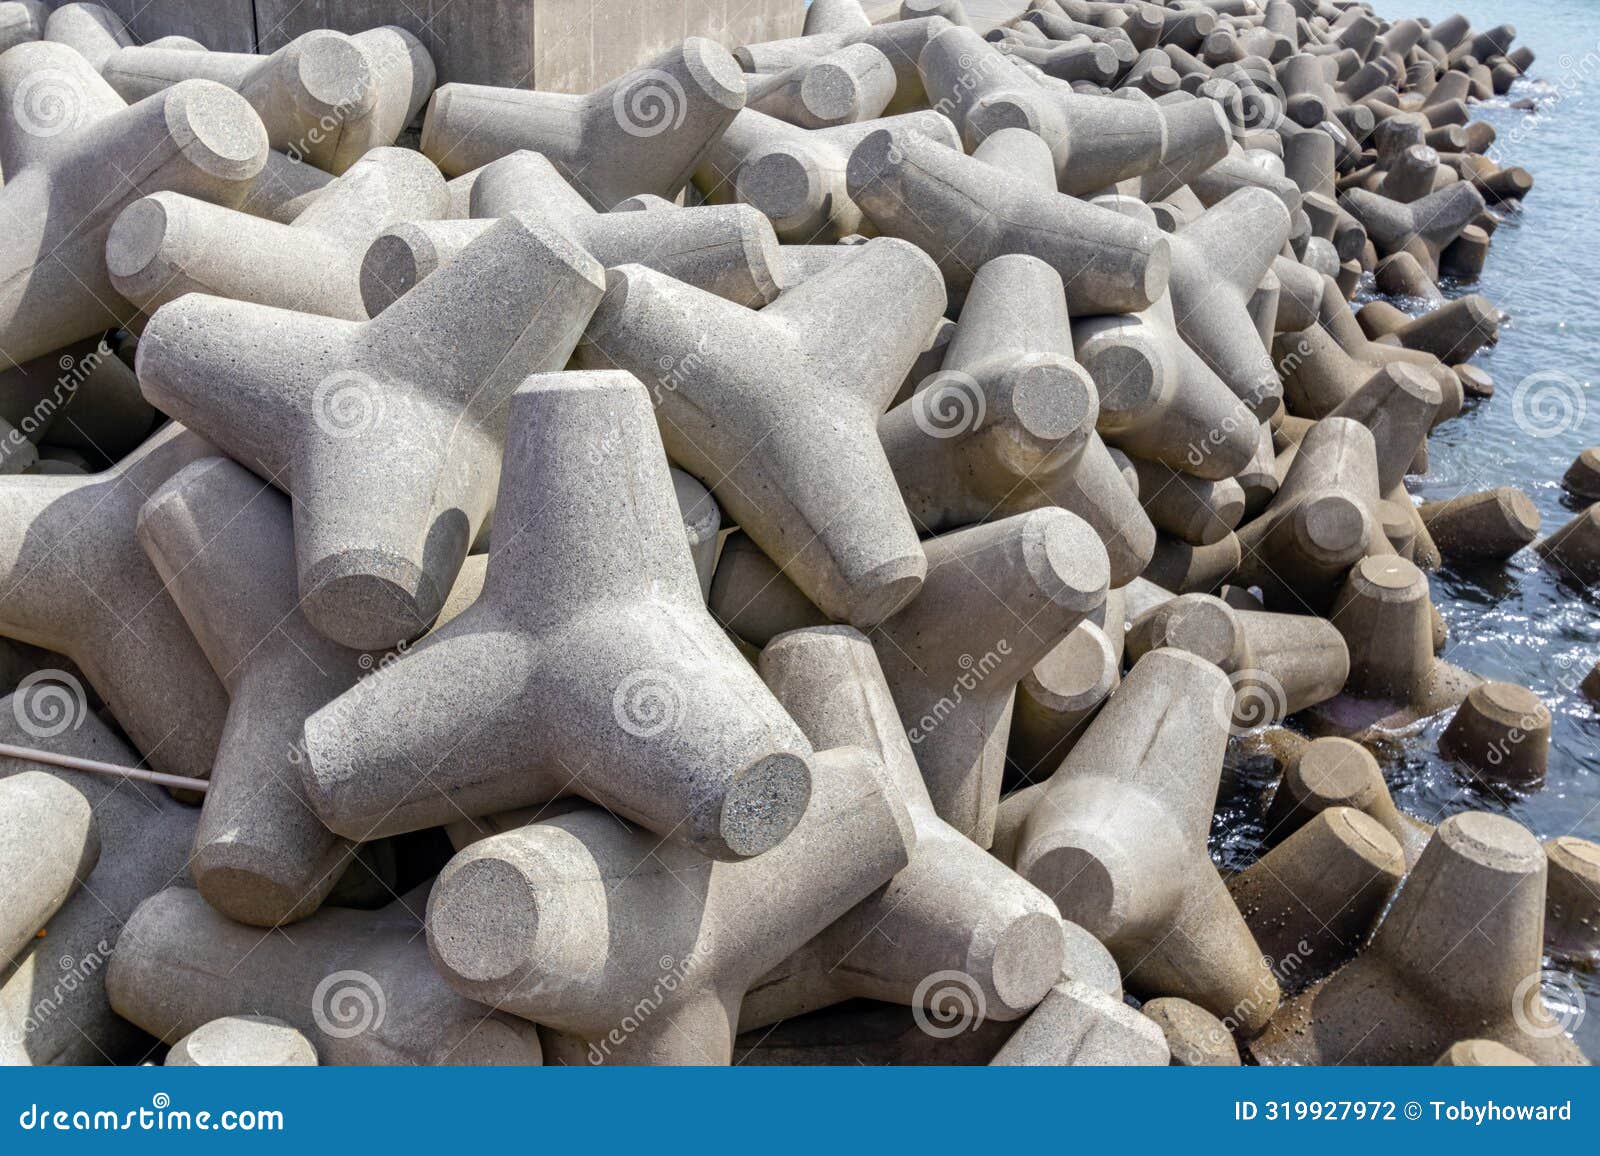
683,738
756,404
1078,1026
357,985
243,1041
74,154
316,405
48,846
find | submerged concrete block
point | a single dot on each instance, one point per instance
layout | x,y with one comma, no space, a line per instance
953,911
74,154
358,985
762,407
729,250
76,581
555,922
1336,772
1457,955
1118,837
643,703
1501,733
317,405
325,97
243,1042
1572,897
645,132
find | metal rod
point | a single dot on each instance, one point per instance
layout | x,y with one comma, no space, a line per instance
98,768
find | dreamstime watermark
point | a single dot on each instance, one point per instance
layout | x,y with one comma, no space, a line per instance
947,1003
160,1116
973,673
653,102
1264,997
674,974
75,973
949,404
347,1004
347,404
74,372
48,103
677,370
1547,1004
1255,698
343,710
647,703
48,703
1548,403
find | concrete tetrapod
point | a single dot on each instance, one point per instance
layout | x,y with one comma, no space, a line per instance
243,1042
1159,399
324,97
22,21
777,412
1312,899
952,911
796,176
318,405
1078,1026
591,612
851,85
1118,837
1336,772
48,846
1061,694
166,245
1385,614
1572,897
554,921
223,543
1422,228
901,41
728,250
1278,664
999,597
1323,519
645,132
1009,404
964,212
1457,956
1490,525
1217,263
74,154
1195,1037
145,839
1574,548
1501,734
357,984
83,398
76,581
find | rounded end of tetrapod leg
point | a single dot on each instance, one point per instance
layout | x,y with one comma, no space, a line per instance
370,599
714,71
216,130
762,805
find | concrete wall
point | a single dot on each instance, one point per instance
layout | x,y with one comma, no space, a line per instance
560,45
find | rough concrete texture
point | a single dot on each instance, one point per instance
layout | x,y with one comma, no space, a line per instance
76,581
223,543
1336,772
1118,837
74,154
759,406
1489,525
243,1041
1451,960
48,845
358,985
324,98
164,246
953,910
1572,912
691,939
145,840
850,85
727,250
1501,732
317,406
1077,1026
1195,1037
593,610
645,132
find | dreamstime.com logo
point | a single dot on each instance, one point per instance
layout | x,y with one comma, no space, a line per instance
948,1003
347,404
951,404
48,703
48,103
1257,699
1548,403
1548,1004
648,702
160,1116
652,104
347,1004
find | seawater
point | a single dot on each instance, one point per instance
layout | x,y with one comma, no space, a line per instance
1517,621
